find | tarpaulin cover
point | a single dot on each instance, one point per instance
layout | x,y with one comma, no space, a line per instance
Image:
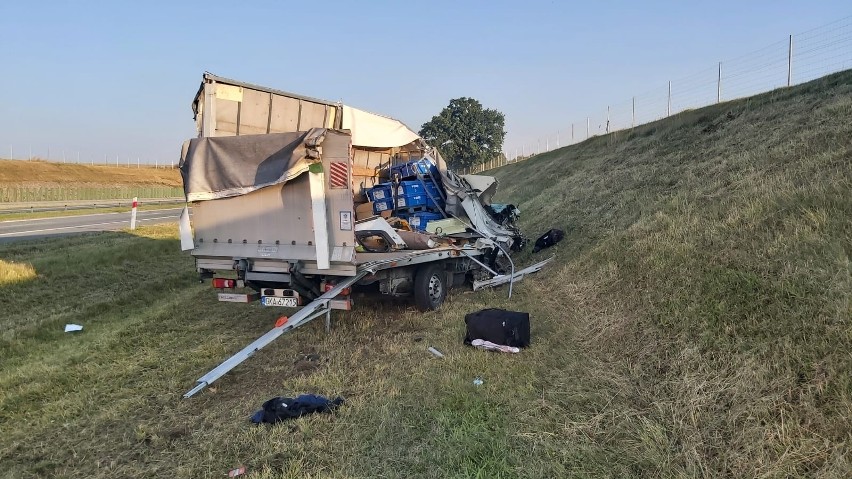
376,131
220,167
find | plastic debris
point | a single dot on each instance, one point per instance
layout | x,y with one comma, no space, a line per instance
70,328
477,381
483,344
435,352
237,472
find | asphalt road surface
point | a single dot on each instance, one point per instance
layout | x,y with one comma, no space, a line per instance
17,230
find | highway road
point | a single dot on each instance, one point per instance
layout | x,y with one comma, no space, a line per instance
17,230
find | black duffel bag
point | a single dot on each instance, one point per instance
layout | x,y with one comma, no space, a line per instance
499,326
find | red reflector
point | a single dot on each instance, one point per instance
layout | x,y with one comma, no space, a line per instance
281,321
326,287
224,283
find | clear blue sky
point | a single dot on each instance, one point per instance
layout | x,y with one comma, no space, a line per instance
117,78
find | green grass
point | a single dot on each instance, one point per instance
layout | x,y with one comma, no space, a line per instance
694,324
85,211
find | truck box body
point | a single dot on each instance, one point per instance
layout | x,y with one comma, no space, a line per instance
276,225
226,107
275,180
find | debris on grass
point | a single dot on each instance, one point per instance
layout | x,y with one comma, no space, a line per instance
239,471
278,408
435,352
70,328
483,344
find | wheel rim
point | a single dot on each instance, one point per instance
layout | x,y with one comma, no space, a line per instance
436,289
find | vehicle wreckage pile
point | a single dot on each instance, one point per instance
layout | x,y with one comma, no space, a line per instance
295,201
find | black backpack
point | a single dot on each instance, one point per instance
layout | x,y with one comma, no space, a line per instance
499,326
548,239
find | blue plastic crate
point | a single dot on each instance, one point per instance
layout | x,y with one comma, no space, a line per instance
415,187
406,203
382,205
419,220
380,192
410,169
410,201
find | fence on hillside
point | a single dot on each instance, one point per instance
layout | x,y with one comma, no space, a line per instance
797,59
26,194
74,157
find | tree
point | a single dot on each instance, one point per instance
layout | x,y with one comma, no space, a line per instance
465,133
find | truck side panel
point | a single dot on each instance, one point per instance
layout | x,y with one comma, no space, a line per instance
238,109
276,223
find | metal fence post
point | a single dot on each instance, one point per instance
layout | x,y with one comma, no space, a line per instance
790,62
669,104
719,85
587,128
633,120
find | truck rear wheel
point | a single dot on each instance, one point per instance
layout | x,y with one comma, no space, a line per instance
430,287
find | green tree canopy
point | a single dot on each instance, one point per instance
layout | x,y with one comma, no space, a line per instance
465,133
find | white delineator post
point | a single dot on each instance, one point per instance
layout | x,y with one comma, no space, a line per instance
133,214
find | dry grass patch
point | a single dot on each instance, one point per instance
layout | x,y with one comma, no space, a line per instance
63,174
12,272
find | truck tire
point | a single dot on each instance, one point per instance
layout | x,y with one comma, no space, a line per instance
430,287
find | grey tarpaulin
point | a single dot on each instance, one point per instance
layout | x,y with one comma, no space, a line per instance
220,167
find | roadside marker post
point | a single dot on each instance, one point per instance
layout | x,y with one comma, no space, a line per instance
133,214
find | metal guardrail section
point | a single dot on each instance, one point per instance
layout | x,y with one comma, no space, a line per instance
80,205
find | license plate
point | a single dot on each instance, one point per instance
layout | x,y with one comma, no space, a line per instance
276,301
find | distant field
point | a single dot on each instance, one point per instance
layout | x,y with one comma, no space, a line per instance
18,171
30,181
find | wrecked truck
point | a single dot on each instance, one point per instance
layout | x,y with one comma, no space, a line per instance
295,201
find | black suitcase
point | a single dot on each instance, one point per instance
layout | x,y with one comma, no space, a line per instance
499,326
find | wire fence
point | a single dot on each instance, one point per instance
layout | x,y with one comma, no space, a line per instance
26,194
74,157
797,59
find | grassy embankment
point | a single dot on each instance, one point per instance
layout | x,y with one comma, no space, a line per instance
696,323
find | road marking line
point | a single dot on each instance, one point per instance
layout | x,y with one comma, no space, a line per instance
82,226
83,216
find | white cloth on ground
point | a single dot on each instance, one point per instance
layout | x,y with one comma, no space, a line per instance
483,344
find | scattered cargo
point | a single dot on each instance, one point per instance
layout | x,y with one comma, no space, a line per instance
297,200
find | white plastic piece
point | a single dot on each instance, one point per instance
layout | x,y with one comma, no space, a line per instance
380,224
483,344
435,352
70,328
185,231
317,185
